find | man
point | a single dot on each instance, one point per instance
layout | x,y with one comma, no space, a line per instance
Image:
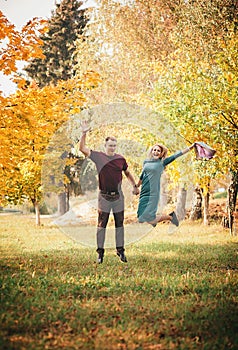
110,166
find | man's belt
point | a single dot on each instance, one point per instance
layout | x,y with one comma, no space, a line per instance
111,193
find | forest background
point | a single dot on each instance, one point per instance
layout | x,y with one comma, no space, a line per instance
178,59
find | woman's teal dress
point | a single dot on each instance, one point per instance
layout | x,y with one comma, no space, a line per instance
150,187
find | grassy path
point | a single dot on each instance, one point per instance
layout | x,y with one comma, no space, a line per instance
176,292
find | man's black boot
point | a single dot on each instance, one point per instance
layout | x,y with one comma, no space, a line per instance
100,252
121,254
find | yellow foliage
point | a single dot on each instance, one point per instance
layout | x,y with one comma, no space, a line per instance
29,118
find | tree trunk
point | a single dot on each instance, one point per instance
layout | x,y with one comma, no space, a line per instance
206,209
163,192
181,202
196,212
67,198
232,197
62,207
37,211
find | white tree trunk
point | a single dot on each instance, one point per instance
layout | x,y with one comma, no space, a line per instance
181,203
37,210
206,209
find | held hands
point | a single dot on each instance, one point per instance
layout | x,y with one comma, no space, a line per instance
135,190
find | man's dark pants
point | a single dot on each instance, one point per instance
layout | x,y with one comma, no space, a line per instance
106,204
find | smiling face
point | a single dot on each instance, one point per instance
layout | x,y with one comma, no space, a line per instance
156,152
110,146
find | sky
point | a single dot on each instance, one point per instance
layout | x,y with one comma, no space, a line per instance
19,12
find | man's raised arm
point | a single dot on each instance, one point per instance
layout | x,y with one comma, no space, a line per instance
82,142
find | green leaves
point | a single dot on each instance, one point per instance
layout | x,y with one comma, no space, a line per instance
200,97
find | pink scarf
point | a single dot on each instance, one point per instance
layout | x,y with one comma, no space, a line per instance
202,151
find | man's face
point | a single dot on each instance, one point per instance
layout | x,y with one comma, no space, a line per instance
110,147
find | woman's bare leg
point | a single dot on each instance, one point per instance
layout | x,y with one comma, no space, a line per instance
160,218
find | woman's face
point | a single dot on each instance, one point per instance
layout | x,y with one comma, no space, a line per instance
156,152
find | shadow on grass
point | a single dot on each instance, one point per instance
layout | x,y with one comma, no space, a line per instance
168,295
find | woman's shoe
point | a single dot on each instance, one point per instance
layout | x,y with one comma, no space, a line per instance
174,218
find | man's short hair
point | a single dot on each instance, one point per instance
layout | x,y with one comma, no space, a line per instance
112,138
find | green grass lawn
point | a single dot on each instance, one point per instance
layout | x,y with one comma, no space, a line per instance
177,291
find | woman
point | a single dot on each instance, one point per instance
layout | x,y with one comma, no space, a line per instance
150,181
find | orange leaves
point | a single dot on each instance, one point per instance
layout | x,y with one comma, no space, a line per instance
6,28
19,46
21,82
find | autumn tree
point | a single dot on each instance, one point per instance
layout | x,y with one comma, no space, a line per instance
29,119
15,46
138,46
64,27
127,39
200,97
58,44
201,94
123,42
19,45
31,116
